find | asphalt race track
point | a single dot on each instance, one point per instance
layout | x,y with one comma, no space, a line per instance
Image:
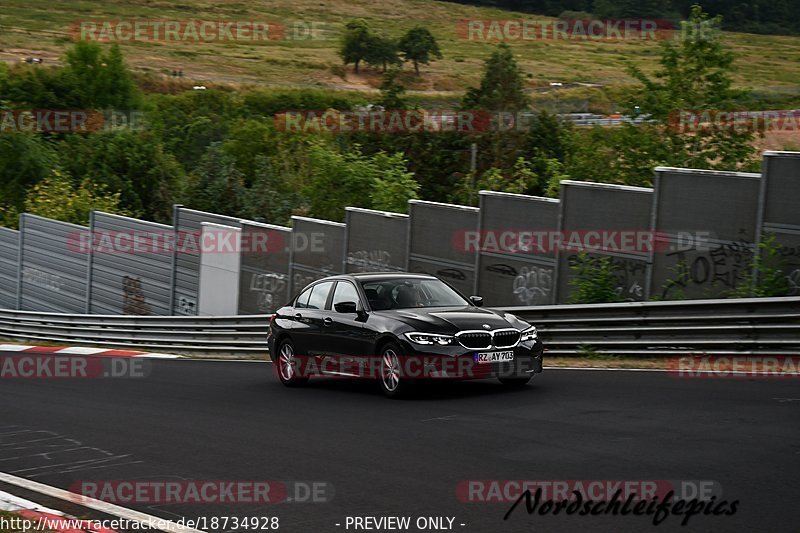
233,421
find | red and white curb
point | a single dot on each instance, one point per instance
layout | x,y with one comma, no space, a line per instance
100,352
64,523
44,518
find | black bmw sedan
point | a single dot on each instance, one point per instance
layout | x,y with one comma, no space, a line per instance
398,329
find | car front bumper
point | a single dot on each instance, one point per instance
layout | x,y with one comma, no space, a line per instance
457,362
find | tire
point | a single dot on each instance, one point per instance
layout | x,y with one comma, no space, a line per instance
516,381
391,382
287,365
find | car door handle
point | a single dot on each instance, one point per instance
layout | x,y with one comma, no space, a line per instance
328,321
298,316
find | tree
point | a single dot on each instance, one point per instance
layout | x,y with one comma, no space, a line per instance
24,160
269,198
217,184
502,87
190,122
58,198
393,186
134,164
114,85
418,45
770,268
356,42
95,79
695,76
338,180
626,154
382,51
392,91
502,93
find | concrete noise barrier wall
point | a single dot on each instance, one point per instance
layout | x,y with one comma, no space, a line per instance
377,241
54,261
706,225
130,266
438,242
512,268
603,220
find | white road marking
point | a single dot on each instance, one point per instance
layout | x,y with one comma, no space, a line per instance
11,503
608,369
76,350
97,505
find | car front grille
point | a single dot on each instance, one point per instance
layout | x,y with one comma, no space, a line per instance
483,340
477,340
506,338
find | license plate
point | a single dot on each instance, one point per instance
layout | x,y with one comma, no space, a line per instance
494,357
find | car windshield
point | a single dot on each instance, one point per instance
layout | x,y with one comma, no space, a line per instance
405,293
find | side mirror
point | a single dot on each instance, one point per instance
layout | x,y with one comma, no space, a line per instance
346,307
477,300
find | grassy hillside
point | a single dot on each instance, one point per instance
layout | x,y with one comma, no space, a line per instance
41,28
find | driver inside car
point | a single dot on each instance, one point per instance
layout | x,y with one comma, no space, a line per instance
408,297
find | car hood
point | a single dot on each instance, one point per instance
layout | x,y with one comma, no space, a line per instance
449,320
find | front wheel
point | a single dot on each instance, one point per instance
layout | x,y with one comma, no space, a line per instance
516,381
391,381
287,365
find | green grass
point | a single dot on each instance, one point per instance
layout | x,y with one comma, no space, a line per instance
39,27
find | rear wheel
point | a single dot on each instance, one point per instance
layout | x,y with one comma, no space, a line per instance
516,381
287,365
391,380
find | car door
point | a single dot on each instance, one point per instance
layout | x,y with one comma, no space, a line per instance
345,330
309,315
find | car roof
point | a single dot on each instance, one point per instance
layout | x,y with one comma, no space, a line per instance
373,276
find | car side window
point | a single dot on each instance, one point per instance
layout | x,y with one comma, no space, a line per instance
302,300
319,295
345,292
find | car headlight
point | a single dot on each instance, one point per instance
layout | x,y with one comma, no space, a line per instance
430,338
529,334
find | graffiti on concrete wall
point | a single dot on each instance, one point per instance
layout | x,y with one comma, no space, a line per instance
720,266
370,260
533,285
270,289
186,306
42,279
133,298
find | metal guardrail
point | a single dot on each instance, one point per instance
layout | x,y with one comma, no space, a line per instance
749,326
217,336
752,326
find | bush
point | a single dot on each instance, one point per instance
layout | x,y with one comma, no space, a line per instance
594,280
